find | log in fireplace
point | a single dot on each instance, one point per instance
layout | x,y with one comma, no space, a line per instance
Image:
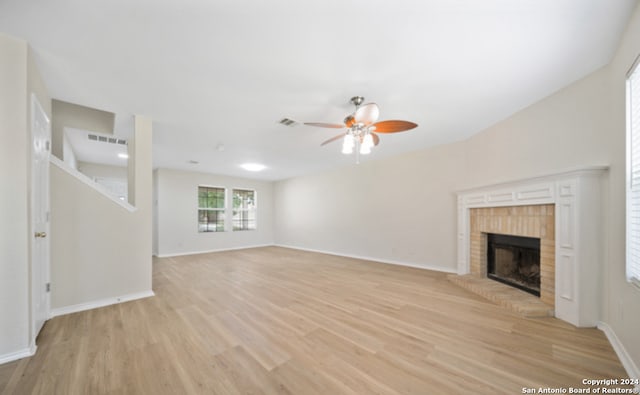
515,261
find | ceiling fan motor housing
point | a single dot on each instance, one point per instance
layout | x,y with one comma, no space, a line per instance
357,100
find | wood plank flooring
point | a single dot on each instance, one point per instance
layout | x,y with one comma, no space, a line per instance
280,321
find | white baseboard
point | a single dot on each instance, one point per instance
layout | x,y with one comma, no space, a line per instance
100,303
366,258
628,363
378,260
208,251
13,356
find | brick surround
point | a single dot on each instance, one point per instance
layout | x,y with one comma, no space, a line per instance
529,221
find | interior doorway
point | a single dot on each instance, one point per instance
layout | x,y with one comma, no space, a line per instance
40,246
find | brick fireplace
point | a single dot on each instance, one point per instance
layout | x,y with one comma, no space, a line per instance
565,211
529,221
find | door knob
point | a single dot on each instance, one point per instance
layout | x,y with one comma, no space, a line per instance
41,234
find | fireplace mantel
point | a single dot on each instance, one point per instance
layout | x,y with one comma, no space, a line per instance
578,198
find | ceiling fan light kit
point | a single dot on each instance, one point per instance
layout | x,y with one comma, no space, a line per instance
362,127
347,144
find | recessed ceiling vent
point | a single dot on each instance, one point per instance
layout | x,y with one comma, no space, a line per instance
104,139
288,122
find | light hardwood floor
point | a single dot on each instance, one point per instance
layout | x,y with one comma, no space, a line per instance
280,321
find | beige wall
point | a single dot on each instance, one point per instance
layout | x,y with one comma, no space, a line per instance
154,215
399,210
100,251
622,304
94,170
177,213
18,79
567,129
80,117
378,209
14,222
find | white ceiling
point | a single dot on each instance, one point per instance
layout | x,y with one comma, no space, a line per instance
225,72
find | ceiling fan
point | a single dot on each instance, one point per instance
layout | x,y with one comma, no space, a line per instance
362,128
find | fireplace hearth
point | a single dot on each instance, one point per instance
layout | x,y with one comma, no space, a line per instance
515,261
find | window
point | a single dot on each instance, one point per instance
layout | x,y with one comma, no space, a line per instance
244,209
211,209
633,174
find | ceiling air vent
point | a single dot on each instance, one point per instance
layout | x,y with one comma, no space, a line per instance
111,140
288,122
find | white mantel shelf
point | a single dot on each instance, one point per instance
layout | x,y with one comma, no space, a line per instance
579,207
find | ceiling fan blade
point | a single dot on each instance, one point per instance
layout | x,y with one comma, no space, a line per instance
367,114
332,139
394,126
376,138
325,125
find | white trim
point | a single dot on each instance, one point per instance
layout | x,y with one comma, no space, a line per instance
100,303
635,64
40,265
628,363
88,181
597,169
377,260
12,356
632,190
170,255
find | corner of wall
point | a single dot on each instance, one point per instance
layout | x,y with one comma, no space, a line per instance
107,255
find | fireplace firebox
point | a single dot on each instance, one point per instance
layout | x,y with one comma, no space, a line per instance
515,261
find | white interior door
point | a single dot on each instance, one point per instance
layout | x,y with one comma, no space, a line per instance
41,148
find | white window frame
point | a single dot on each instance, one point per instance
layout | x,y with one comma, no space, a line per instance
223,209
255,209
633,174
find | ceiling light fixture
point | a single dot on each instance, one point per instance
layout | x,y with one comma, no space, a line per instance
359,136
362,128
253,166
123,155
359,139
